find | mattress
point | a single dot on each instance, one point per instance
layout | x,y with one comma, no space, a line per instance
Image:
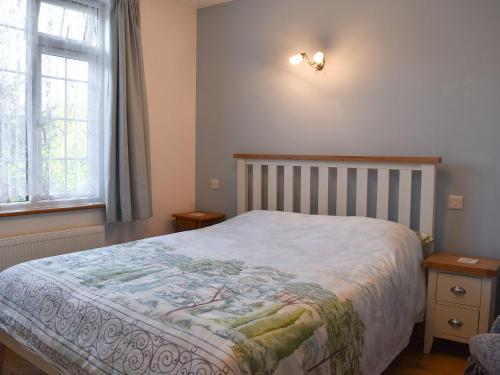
262,293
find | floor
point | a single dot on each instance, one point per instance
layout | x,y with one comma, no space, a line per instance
447,358
15,365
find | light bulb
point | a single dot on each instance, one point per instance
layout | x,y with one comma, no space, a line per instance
296,59
319,57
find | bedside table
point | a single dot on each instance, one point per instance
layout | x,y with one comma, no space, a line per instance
460,298
196,220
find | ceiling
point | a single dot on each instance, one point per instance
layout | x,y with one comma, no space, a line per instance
203,3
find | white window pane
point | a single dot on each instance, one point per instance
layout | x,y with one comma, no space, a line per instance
45,178
76,139
12,49
53,66
71,182
53,101
82,176
77,23
45,149
78,69
77,177
74,25
50,19
13,12
53,145
12,94
13,159
57,177
13,138
77,100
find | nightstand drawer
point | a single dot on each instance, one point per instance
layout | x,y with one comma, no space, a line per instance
463,290
456,321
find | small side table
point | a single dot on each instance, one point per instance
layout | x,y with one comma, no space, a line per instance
460,297
196,220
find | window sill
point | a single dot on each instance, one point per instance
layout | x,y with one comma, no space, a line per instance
49,210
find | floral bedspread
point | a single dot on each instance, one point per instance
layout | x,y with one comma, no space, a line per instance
202,302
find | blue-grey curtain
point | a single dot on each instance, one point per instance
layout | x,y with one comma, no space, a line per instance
127,164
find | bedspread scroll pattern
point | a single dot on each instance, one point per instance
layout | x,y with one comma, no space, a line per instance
146,308
109,342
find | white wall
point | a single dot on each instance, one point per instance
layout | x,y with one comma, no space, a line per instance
169,46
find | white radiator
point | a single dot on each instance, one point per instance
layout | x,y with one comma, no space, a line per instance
20,249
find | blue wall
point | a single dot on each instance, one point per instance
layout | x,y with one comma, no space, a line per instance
405,77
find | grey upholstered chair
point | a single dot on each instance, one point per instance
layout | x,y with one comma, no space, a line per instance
485,353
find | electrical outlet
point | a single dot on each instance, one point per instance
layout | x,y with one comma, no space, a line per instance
214,184
456,202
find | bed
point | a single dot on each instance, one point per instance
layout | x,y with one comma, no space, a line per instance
266,292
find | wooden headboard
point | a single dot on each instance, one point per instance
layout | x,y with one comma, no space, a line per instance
251,168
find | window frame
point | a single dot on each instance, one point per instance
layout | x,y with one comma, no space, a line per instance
39,43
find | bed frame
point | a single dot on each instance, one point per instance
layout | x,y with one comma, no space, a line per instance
254,169
7,341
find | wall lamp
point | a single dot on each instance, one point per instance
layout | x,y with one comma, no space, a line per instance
317,62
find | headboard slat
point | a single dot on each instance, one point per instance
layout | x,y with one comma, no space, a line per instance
288,188
427,200
341,191
323,190
362,192
305,190
242,186
404,197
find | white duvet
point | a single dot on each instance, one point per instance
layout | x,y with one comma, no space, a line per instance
375,263
265,292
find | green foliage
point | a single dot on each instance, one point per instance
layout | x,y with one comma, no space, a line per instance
309,291
254,358
263,353
239,321
210,266
119,275
285,341
276,333
345,334
342,323
186,323
271,323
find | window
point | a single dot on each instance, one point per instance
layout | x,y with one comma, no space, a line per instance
50,101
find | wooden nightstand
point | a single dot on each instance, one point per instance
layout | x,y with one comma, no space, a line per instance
460,298
196,220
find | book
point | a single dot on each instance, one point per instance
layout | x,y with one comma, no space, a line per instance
468,260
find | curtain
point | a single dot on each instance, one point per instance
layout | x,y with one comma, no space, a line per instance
127,167
51,102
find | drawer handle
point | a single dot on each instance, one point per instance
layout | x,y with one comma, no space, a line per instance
458,290
455,323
